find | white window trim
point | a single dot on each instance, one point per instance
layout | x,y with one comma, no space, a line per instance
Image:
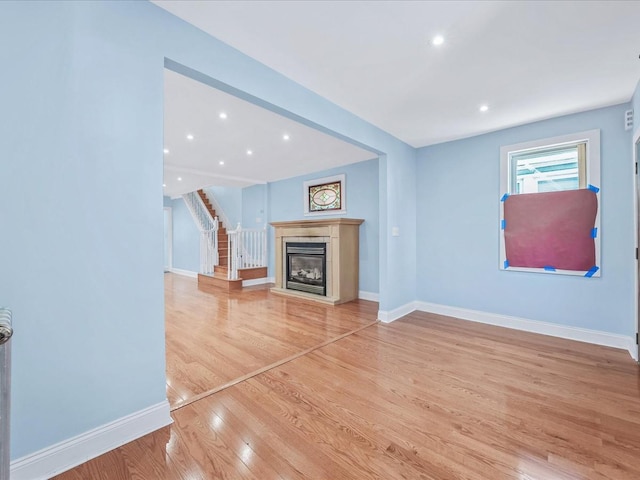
319,181
592,139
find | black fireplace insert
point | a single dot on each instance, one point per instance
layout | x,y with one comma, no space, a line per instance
306,267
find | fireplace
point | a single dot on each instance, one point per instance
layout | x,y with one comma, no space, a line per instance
329,245
306,267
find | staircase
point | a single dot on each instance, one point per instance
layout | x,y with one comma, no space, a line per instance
220,277
220,271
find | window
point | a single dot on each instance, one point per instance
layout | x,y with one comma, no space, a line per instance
325,196
549,169
556,232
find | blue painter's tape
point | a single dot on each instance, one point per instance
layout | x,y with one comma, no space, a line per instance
503,224
506,264
549,268
593,270
504,197
593,189
594,232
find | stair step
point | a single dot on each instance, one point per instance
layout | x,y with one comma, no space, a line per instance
223,237
206,202
252,273
207,281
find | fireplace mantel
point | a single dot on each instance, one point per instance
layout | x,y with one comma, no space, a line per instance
341,236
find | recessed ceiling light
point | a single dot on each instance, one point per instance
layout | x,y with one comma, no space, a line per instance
484,108
179,179
164,185
222,115
249,152
285,137
189,137
221,162
437,40
166,151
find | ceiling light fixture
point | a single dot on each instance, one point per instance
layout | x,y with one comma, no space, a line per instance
179,179
249,152
166,151
484,108
189,137
222,115
164,185
285,137
437,40
221,162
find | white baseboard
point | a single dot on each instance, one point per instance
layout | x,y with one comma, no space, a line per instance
185,273
374,297
258,281
634,350
571,333
69,453
396,313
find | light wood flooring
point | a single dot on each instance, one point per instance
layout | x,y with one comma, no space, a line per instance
214,338
426,397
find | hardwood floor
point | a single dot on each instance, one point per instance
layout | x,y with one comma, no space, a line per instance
426,397
215,337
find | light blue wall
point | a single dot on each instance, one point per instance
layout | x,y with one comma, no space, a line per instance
81,249
286,203
458,185
186,238
87,80
229,200
402,203
254,206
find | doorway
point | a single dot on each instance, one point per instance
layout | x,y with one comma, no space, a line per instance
233,148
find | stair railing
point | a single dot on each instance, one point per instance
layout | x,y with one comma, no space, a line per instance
6,331
217,207
209,250
247,249
208,227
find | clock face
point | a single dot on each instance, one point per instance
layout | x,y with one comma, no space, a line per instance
325,197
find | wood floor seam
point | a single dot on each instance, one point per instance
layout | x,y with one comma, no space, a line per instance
273,365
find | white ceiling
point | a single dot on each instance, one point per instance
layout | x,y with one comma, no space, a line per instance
193,108
528,60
